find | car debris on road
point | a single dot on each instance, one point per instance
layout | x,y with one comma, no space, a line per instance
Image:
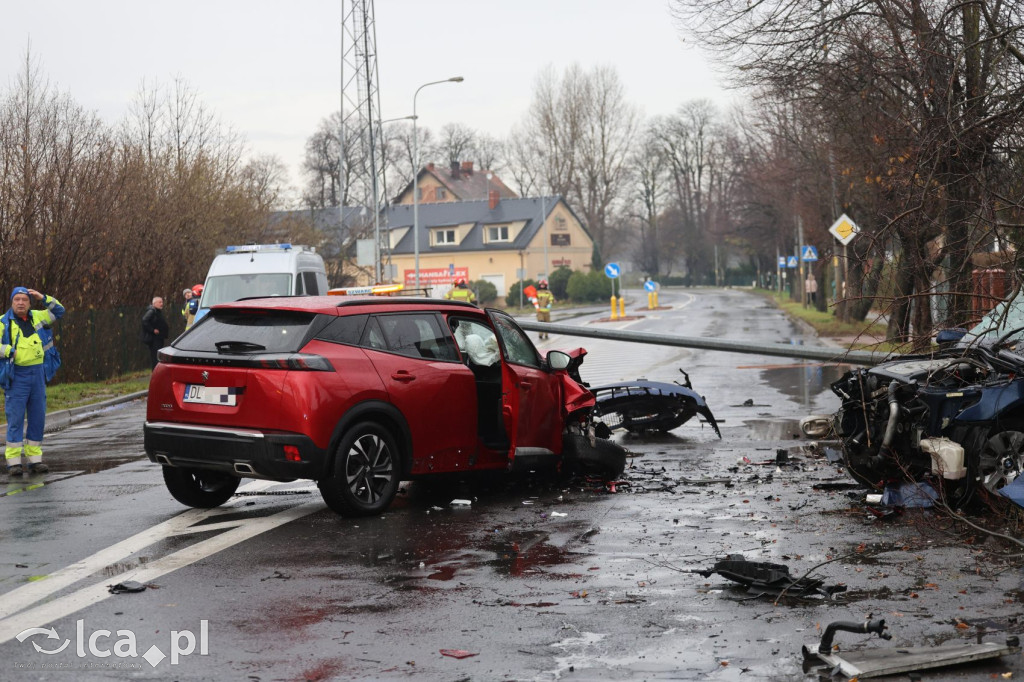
644,406
762,578
868,663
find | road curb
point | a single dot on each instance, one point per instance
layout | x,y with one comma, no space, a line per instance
62,419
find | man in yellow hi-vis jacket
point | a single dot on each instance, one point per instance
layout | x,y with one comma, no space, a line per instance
26,334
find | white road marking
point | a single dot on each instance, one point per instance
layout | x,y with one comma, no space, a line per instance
21,600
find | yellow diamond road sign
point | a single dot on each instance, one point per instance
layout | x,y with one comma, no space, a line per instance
844,229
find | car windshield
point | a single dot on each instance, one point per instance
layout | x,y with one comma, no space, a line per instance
227,288
1008,316
248,331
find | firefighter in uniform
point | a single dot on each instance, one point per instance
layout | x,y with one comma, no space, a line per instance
545,299
461,292
26,333
192,306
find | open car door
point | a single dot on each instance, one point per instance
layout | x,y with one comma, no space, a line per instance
531,395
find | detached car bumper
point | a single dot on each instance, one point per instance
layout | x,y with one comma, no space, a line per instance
242,452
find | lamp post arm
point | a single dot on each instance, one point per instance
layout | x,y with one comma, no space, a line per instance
416,175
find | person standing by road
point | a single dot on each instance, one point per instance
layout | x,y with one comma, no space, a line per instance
187,295
461,292
154,329
26,334
811,287
193,306
545,299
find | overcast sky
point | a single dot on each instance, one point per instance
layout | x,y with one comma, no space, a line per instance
271,69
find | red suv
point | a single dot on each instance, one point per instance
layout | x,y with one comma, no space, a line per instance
359,394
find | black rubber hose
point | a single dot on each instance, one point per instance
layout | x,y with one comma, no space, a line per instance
867,627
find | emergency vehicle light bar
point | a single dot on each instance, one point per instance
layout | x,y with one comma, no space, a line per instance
375,290
250,248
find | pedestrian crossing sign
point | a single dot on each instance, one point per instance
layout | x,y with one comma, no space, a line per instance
791,262
810,253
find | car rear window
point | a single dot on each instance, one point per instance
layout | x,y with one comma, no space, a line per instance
418,336
345,329
249,331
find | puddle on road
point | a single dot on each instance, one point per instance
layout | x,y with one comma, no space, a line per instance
804,382
516,554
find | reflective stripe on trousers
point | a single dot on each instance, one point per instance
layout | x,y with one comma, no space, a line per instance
26,398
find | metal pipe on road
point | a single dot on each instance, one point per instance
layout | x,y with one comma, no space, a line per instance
823,353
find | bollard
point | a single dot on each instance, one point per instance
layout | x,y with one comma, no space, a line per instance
614,315
622,307
655,298
650,300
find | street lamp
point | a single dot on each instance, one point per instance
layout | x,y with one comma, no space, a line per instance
416,175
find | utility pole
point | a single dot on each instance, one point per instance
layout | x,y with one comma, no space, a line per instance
800,260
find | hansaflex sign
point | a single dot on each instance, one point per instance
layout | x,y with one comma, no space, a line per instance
105,649
433,277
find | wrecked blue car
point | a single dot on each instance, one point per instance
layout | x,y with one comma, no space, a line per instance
649,406
954,416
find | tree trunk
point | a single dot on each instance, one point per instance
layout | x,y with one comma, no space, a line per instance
898,329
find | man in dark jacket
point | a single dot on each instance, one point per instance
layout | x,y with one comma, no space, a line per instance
154,328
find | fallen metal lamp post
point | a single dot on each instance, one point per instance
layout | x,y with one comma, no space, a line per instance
822,353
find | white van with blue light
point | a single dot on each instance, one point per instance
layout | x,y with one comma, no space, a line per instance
263,270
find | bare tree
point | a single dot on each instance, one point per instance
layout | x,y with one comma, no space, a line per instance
456,143
402,152
651,179
577,138
921,104
489,152
266,179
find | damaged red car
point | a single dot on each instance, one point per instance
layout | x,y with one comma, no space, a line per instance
358,394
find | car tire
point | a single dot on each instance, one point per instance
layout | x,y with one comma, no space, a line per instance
199,488
1001,459
366,472
603,458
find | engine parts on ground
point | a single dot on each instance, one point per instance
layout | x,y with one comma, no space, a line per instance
879,662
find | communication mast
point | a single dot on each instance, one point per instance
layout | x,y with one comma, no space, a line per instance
362,141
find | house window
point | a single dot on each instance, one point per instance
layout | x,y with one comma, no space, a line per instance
444,237
497,233
419,194
440,193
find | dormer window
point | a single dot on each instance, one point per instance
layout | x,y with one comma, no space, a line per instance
444,237
497,233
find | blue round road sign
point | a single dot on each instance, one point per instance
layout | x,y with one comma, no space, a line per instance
612,270
650,285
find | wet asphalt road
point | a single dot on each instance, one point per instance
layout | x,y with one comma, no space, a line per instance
536,581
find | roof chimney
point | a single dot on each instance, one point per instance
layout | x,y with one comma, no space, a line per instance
493,197
467,167
455,170
430,166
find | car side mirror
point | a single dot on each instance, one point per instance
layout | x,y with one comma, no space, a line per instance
947,337
558,360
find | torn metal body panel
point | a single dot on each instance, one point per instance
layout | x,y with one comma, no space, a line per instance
880,662
643,406
762,578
